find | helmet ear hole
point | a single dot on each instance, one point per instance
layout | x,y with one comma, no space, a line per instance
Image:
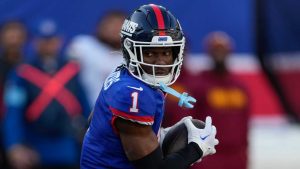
127,44
127,50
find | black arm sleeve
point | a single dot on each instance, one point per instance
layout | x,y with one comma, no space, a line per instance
179,160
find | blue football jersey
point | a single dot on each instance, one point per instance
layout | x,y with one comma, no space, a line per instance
125,97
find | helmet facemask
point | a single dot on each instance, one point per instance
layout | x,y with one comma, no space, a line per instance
134,49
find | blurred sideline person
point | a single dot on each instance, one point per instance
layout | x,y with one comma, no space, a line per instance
45,105
13,36
125,125
99,54
222,96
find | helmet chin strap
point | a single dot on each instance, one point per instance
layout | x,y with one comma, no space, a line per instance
155,80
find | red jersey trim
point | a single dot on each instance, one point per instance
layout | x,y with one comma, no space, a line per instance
113,125
146,120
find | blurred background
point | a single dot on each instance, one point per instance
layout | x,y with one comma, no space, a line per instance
264,38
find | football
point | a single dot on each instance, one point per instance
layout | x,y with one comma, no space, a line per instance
177,138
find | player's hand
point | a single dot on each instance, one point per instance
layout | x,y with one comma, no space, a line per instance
164,131
205,138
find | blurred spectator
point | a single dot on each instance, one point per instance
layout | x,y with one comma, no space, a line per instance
98,55
45,105
12,39
221,96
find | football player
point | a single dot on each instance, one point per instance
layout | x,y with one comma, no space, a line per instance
124,129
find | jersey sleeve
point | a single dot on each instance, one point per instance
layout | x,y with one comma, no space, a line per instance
137,105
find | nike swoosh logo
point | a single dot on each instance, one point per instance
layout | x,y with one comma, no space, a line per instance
140,88
203,138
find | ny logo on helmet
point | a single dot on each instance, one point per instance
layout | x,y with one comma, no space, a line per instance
129,27
163,39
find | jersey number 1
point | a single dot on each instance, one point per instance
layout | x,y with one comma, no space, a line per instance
134,108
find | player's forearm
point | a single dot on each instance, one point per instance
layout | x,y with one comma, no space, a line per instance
179,160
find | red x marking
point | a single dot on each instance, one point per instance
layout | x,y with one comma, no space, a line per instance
51,88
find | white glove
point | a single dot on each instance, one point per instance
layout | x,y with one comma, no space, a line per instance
164,131
205,138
